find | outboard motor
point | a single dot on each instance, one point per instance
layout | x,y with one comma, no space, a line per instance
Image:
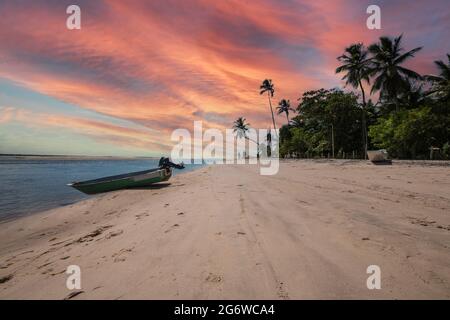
166,163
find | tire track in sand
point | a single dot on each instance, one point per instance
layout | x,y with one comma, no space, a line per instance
259,252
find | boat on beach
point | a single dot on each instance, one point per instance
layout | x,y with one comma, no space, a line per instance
378,156
129,180
123,181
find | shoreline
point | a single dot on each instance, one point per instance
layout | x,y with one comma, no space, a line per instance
83,197
225,232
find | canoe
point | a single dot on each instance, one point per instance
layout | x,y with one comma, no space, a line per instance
123,181
378,156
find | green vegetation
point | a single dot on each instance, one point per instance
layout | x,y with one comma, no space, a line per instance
411,117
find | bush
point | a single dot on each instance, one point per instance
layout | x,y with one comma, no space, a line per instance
409,133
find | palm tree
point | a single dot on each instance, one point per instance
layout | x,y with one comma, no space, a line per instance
414,96
441,83
267,86
297,122
391,78
284,106
356,66
240,128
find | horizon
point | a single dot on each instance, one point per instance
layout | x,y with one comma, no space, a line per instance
135,72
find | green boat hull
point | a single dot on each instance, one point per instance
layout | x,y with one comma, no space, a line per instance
125,181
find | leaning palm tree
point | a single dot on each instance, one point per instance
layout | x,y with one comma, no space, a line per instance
267,86
390,77
284,106
240,128
356,66
441,83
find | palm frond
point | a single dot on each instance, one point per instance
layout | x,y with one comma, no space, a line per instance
405,56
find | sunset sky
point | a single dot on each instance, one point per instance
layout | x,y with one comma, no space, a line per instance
139,69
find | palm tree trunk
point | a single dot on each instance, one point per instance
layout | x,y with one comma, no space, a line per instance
287,117
257,144
364,121
271,110
252,141
397,108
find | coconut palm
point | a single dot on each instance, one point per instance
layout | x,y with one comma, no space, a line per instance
356,66
284,106
267,86
390,77
441,83
414,96
241,127
297,122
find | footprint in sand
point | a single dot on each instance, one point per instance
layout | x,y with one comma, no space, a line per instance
6,278
176,225
121,256
47,271
90,236
214,278
281,292
423,222
6,266
56,273
139,216
44,265
114,234
73,294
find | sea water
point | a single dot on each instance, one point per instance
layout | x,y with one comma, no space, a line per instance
28,185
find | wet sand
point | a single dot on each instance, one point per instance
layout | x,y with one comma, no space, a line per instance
226,232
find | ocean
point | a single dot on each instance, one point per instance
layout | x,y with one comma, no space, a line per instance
32,185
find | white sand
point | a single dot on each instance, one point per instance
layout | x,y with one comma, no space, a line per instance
225,232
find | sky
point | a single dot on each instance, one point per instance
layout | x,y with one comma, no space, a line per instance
137,70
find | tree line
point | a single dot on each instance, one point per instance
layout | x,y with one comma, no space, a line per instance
411,118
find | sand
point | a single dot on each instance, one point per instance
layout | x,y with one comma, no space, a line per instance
226,232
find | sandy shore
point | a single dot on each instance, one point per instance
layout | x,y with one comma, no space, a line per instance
225,232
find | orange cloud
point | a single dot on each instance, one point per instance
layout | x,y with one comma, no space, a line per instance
165,64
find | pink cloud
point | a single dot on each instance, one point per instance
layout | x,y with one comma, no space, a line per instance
166,64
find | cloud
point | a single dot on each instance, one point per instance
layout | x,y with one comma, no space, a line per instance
165,64
6,114
98,130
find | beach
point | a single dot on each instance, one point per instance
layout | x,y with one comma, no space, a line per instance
227,232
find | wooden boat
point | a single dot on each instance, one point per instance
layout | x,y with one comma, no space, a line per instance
123,181
378,156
